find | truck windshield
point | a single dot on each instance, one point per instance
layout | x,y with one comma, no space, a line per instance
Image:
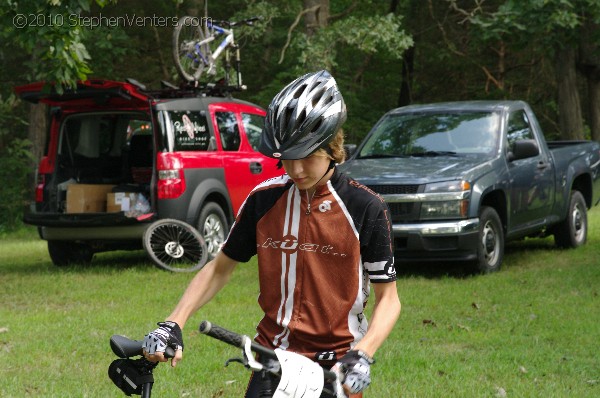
433,134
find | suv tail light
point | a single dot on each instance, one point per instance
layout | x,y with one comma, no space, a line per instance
39,187
171,180
44,169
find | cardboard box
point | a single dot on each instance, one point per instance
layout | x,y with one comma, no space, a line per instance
87,198
120,201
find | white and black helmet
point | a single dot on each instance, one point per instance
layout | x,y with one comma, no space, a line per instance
303,117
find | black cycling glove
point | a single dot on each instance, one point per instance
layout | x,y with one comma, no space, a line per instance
356,368
168,334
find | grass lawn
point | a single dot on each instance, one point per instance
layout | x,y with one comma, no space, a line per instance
530,330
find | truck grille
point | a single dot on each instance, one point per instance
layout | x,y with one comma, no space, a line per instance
394,189
401,212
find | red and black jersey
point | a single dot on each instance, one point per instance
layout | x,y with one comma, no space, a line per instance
314,266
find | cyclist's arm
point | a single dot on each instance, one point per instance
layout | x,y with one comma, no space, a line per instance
385,313
203,287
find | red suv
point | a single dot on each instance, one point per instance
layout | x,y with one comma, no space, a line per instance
119,156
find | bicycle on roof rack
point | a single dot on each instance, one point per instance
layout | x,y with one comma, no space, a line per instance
134,376
196,48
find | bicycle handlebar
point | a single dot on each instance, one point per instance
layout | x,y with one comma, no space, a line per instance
237,340
124,347
231,24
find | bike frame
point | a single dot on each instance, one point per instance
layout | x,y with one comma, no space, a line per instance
229,40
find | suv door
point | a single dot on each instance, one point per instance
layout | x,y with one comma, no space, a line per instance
238,127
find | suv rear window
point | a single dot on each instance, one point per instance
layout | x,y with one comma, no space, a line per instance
93,146
185,131
96,135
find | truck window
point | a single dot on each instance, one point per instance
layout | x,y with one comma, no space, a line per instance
228,130
253,124
185,131
518,128
457,132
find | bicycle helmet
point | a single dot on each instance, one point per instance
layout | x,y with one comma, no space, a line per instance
303,117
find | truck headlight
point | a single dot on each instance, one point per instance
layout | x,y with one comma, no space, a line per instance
448,199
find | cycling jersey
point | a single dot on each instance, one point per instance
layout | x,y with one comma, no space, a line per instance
315,263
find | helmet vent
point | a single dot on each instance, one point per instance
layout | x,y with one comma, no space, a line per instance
299,91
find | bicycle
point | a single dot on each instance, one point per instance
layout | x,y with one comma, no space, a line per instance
134,376
175,246
196,50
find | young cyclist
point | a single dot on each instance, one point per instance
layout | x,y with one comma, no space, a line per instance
322,241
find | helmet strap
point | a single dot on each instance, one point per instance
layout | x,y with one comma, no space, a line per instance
314,187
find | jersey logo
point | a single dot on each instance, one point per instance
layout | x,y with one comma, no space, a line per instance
325,356
325,206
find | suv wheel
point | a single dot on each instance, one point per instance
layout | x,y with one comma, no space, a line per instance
212,224
66,252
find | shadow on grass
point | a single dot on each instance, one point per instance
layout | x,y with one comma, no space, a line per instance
101,262
459,270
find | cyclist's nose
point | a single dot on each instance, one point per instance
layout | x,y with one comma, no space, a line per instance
294,168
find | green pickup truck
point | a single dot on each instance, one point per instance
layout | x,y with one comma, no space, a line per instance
462,178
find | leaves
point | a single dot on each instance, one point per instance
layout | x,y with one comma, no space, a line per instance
51,34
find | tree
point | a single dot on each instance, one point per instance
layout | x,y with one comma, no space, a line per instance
556,27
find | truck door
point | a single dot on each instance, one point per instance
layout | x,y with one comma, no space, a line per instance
531,179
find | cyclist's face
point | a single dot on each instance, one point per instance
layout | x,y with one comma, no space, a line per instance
306,173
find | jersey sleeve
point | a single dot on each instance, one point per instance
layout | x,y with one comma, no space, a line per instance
241,241
377,249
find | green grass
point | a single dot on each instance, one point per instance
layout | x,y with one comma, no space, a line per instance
530,330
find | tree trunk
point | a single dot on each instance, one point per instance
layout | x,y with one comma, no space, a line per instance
38,127
594,107
316,19
569,107
589,66
408,61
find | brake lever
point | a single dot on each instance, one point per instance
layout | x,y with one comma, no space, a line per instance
230,360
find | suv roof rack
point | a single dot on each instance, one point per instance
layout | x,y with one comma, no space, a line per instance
187,89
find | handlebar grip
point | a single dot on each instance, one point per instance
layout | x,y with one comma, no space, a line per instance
222,334
124,347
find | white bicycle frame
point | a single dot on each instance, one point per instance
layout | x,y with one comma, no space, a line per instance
224,44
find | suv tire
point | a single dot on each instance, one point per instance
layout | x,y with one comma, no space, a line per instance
66,252
213,226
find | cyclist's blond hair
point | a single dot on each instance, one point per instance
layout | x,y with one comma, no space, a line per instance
335,150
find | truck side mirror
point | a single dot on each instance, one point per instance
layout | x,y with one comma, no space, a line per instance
523,149
350,149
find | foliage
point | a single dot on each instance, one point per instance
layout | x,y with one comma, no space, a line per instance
52,34
549,22
15,166
369,34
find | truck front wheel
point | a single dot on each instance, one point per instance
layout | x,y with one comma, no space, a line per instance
66,252
212,224
490,250
572,231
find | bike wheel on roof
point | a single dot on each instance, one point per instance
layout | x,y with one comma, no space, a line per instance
193,42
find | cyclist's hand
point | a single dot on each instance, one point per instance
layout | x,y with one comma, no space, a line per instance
355,368
168,334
